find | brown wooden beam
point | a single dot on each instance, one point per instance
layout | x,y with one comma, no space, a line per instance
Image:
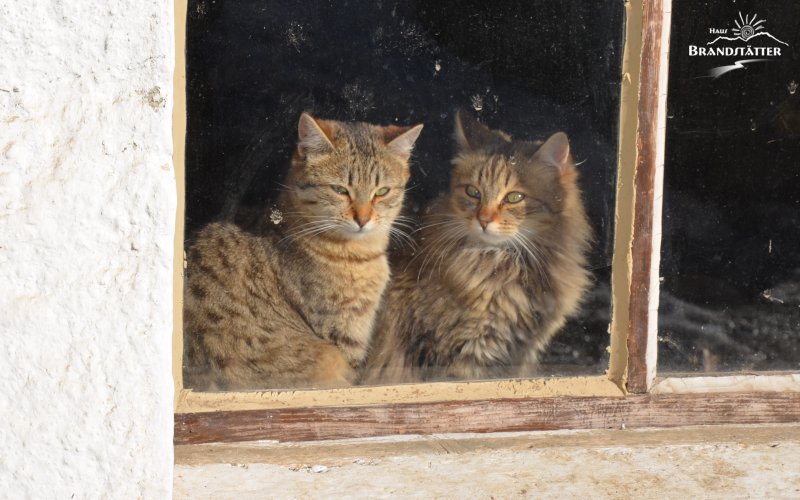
642,243
311,424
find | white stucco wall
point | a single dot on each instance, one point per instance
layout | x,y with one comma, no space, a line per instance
87,207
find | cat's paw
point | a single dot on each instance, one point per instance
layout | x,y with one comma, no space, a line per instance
333,370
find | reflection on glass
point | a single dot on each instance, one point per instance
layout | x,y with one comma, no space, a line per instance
325,146
730,295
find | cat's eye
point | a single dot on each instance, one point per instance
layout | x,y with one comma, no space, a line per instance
340,189
514,197
382,191
473,192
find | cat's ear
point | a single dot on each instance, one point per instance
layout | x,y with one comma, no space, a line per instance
470,134
400,140
555,150
314,136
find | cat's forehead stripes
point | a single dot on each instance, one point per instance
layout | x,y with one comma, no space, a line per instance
357,138
356,155
364,172
494,172
358,143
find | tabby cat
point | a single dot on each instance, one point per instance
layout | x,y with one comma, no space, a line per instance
502,264
295,305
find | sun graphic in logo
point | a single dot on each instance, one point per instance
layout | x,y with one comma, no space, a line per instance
748,27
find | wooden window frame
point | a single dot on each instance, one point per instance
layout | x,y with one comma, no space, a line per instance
629,395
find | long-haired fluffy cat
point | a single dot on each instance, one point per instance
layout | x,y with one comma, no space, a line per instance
295,305
502,264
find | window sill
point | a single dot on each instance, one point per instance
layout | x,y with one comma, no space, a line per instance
482,416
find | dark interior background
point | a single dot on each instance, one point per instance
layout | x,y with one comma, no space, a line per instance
730,296
530,68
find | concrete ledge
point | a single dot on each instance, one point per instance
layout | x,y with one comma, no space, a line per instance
691,462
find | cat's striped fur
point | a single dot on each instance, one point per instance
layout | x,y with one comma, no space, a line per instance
295,306
502,265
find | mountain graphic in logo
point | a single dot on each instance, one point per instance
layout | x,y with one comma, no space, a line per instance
747,30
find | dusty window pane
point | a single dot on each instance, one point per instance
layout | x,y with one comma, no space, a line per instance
528,68
730,295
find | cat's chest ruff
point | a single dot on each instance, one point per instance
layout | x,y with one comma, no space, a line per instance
489,270
352,270
337,278
493,282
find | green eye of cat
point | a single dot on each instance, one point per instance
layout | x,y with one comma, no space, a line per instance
382,191
473,192
514,197
340,189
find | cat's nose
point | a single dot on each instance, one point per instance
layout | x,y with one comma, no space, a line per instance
485,217
361,221
362,215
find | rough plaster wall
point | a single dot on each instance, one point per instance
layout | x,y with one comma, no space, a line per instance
87,204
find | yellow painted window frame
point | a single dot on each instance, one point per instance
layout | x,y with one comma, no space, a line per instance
632,366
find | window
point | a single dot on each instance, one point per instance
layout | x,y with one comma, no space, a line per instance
729,298
624,118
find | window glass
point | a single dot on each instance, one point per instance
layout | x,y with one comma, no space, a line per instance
730,294
519,72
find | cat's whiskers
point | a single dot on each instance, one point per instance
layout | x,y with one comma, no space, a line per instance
300,227
286,188
536,254
404,223
304,234
452,243
441,217
534,258
402,228
302,215
403,237
298,220
299,223
519,259
313,228
429,247
428,251
443,243
445,220
425,246
405,234
435,224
